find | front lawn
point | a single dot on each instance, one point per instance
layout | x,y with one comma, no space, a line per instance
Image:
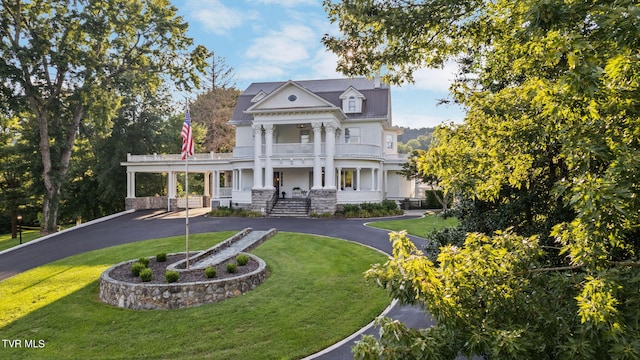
418,227
7,242
315,296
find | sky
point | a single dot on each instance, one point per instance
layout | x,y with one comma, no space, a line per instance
280,40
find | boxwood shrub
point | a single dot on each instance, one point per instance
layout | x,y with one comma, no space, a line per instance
161,257
210,272
136,268
146,275
242,259
171,276
232,268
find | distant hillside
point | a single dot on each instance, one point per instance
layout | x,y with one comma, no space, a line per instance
413,139
409,133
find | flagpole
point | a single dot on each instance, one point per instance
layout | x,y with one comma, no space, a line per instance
186,186
187,150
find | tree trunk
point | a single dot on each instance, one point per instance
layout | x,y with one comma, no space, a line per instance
53,179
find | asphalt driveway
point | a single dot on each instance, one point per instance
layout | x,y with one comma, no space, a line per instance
143,225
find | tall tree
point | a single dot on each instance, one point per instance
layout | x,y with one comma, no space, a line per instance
66,58
550,148
214,107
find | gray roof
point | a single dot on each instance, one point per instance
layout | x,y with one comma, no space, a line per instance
375,106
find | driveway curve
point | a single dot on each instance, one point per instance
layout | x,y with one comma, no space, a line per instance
144,225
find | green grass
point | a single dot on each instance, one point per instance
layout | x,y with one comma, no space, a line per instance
7,242
418,227
315,296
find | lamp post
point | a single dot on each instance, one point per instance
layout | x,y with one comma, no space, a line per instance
19,218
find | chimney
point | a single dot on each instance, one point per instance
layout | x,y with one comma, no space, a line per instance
376,81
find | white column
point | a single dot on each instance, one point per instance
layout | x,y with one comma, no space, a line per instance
234,180
373,179
207,184
330,149
169,184
317,149
268,170
386,179
339,170
358,180
131,184
257,153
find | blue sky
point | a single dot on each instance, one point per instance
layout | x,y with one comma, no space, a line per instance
279,40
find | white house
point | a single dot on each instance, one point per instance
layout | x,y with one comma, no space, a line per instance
320,142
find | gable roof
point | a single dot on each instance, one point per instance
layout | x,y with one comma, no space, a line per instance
376,105
291,90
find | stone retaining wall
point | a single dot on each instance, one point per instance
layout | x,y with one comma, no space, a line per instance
177,295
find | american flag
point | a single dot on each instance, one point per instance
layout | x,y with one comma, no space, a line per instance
187,136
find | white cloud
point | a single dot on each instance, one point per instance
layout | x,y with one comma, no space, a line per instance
251,72
323,65
215,17
435,79
289,3
288,45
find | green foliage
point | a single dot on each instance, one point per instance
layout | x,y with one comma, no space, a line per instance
146,275
225,212
389,205
68,64
210,272
161,257
242,259
550,150
136,268
367,210
171,276
232,268
144,261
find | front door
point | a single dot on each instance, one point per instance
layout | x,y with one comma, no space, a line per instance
277,180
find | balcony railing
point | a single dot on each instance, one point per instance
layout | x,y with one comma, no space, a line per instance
287,150
178,157
365,150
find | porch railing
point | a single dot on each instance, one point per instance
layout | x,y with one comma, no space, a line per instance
291,150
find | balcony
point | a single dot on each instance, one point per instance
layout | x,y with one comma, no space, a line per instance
306,150
178,157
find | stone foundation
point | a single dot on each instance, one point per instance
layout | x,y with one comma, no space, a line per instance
259,198
177,295
146,203
323,201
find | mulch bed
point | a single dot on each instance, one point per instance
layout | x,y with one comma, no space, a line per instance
123,272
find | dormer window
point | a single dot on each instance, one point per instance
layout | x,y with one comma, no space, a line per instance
352,101
352,104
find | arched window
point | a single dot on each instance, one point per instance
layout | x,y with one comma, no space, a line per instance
352,104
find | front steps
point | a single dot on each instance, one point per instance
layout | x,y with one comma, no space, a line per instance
296,207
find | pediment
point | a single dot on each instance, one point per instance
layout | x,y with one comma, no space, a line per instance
351,91
290,96
259,96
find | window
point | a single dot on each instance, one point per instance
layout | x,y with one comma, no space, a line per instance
352,104
352,135
346,178
389,142
304,136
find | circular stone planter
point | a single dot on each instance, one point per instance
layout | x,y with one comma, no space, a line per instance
177,295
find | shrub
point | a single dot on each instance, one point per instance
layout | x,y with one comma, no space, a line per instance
389,205
161,257
171,276
145,261
210,272
350,208
232,268
369,207
136,268
146,275
242,259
